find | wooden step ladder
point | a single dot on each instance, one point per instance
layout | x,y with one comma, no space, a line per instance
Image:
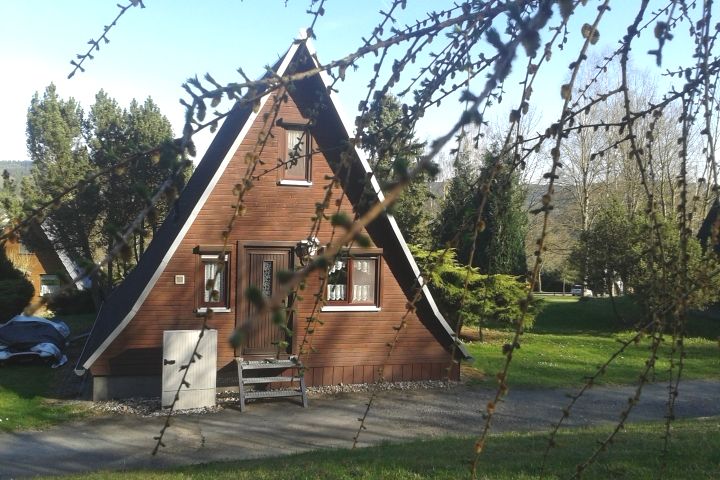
270,365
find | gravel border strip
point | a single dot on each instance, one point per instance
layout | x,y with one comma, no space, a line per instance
150,406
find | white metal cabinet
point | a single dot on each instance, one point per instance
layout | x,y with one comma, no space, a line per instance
178,346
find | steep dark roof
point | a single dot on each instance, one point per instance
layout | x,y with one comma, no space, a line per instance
311,94
705,234
123,299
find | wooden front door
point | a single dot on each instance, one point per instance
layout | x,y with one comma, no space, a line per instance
259,267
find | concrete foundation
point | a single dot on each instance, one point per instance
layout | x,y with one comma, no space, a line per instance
111,387
115,387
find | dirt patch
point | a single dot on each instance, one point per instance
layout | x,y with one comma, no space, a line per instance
471,334
470,374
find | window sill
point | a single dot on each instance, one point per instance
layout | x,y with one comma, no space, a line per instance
295,183
349,308
214,309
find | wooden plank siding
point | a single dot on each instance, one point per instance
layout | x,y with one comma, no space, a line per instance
35,264
350,346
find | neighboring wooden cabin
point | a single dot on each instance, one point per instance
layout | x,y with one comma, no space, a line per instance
369,289
41,265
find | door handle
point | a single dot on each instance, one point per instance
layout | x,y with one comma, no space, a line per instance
168,362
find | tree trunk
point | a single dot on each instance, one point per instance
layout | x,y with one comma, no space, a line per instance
142,237
97,292
110,275
136,250
539,283
618,316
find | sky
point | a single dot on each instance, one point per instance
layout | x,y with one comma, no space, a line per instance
153,50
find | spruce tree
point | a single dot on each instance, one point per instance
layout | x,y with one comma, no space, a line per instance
502,243
453,224
393,152
500,247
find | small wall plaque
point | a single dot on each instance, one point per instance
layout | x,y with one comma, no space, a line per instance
179,279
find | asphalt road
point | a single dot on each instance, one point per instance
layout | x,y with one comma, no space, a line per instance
282,427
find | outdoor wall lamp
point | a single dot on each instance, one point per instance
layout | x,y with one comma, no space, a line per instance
306,248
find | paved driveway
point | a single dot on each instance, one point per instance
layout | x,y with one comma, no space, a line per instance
282,427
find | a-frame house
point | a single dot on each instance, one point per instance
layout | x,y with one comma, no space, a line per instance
44,266
369,288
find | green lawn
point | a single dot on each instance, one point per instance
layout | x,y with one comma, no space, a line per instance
25,391
24,401
634,455
597,316
79,323
572,338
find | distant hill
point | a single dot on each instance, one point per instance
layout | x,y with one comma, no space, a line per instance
562,199
17,168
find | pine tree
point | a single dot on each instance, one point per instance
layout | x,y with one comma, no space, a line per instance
66,147
10,205
116,135
56,144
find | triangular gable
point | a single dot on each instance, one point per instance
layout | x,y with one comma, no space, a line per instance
124,302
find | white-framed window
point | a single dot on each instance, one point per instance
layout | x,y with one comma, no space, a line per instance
212,277
354,281
49,284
